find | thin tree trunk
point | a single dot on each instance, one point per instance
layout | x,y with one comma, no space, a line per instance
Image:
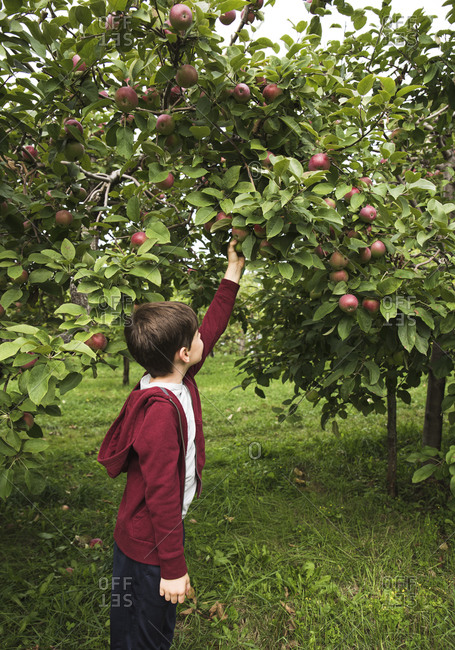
432,426
392,488
126,371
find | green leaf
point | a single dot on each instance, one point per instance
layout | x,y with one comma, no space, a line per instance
344,327
274,226
71,381
133,208
149,273
34,480
285,270
389,285
198,199
9,349
40,275
6,483
68,250
37,382
231,177
365,85
424,472
71,308
34,446
388,85
10,296
324,309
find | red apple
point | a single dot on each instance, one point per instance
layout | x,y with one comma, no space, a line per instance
165,124
378,249
348,195
138,238
247,16
75,123
29,364
29,420
348,303
97,341
65,507
113,21
242,93
352,234
240,234
331,203
69,570
366,180
265,247
29,153
259,231
167,183
370,305
319,161
339,276
126,99
186,76
96,541
22,279
78,65
151,97
2,311
267,162
225,220
365,255
338,261
176,94
228,17
368,214
258,4
208,225
63,218
3,208
320,252
271,92
180,17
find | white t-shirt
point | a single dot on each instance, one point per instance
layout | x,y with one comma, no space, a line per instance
183,394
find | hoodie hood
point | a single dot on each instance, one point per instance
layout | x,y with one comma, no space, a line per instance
121,435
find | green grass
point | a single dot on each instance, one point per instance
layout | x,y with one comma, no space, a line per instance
315,563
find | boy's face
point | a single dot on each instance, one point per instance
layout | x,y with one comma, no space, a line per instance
196,349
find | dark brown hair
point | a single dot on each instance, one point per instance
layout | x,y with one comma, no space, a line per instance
156,331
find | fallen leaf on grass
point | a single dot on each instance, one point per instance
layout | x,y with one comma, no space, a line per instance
444,546
287,607
218,610
186,612
193,521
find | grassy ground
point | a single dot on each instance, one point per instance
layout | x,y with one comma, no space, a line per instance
293,544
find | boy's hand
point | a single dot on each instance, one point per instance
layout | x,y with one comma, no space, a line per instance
175,590
235,263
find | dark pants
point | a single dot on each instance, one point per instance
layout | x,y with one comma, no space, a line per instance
141,619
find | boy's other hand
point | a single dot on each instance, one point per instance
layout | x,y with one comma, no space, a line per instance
175,590
235,263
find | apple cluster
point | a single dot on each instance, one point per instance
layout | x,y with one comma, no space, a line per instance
338,262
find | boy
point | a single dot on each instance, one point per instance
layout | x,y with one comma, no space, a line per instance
157,439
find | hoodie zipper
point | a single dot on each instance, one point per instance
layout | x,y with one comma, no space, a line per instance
195,447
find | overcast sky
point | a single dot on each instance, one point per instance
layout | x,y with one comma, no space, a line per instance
276,21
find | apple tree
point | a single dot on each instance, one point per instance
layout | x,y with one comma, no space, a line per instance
135,143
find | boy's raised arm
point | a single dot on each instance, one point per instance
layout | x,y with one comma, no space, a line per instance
217,317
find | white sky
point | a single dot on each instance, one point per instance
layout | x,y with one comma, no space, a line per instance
276,21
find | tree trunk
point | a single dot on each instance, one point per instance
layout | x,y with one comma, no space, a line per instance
126,371
432,427
392,488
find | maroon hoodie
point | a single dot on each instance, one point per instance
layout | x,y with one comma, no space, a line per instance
148,440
